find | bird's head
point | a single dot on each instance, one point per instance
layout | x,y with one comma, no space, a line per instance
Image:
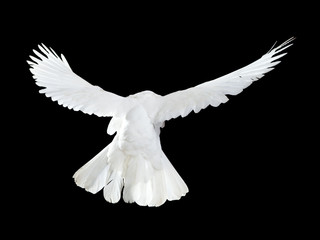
143,95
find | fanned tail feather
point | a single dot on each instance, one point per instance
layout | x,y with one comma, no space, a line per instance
103,171
150,186
140,180
92,176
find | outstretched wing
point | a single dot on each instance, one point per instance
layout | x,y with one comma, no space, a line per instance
63,85
214,92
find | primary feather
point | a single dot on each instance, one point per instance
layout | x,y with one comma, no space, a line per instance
134,160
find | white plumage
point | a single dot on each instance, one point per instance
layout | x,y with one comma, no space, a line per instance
134,161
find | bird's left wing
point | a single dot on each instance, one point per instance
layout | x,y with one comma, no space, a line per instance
63,85
214,92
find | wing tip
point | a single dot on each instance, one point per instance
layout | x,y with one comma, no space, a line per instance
43,48
282,46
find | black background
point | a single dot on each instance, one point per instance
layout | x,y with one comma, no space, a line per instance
240,160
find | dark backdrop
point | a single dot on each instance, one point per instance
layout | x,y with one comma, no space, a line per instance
238,160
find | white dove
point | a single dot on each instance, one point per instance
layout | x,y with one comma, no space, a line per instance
134,161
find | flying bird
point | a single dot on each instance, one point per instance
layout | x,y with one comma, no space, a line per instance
133,164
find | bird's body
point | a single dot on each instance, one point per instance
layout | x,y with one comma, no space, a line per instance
134,161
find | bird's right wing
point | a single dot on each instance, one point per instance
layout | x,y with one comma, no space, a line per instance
63,85
214,92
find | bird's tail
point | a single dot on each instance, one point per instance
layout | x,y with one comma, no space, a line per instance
143,182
